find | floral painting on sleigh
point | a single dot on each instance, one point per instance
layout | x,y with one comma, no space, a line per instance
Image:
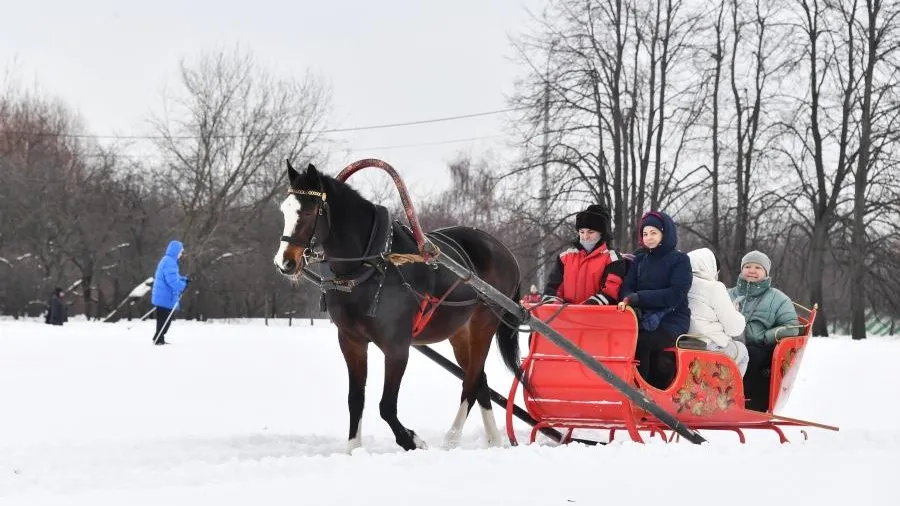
709,388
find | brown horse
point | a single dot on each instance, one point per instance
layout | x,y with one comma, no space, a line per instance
373,300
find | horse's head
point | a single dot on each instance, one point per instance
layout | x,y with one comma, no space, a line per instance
306,219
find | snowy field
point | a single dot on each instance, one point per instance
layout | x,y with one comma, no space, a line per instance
240,413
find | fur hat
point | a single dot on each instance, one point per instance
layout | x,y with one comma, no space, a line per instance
758,257
595,217
652,220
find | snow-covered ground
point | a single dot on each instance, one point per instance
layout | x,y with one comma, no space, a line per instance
241,413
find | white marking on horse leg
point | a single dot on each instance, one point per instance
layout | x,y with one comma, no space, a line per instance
451,440
494,439
356,442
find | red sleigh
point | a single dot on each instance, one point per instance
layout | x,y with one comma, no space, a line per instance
706,394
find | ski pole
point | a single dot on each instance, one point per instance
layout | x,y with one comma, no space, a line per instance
159,332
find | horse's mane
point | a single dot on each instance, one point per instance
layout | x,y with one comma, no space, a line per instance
345,204
344,200
340,190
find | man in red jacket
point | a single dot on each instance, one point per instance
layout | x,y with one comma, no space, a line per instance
587,272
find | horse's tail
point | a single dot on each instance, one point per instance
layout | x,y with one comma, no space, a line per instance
508,340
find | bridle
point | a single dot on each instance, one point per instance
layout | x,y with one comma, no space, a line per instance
321,210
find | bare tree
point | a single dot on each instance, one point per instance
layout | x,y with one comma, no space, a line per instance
878,30
87,225
45,170
621,104
224,138
820,126
718,56
755,52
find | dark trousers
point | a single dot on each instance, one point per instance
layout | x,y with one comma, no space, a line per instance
758,376
649,354
162,324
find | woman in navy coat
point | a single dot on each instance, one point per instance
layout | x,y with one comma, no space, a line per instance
656,286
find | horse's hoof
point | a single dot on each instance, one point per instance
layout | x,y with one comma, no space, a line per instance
420,444
451,440
495,443
413,442
353,444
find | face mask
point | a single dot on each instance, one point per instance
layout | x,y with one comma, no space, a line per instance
589,245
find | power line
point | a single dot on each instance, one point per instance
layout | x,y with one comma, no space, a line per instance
272,134
423,144
350,150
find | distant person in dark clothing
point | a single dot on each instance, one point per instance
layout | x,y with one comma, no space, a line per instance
168,284
57,312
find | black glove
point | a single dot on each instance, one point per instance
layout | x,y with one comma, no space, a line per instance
632,299
551,299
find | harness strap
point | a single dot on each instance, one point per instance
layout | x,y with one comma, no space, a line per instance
380,266
424,313
377,240
422,317
376,263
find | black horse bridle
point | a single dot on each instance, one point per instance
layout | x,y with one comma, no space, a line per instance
321,210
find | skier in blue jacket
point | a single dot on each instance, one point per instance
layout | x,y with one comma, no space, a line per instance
168,284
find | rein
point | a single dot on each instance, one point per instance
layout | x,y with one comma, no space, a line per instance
394,258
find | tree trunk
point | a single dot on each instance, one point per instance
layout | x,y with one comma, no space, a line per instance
86,280
858,300
716,150
739,241
822,210
815,273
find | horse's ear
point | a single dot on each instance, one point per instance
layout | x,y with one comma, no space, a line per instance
292,174
313,177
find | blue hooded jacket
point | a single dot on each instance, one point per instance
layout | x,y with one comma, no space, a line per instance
662,278
168,283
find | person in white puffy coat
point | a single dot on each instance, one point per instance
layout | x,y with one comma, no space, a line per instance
713,315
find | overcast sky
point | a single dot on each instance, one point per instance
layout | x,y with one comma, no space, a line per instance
387,61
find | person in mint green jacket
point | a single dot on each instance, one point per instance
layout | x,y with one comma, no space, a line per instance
770,315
